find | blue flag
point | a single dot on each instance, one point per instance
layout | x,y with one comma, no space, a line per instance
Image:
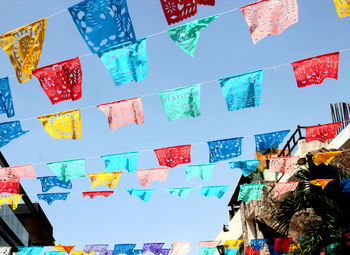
123,249
52,197
48,182
224,149
33,250
6,104
266,141
258,244
345,185
10,131
247,166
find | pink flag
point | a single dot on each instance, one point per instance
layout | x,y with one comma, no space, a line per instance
15,173
269,17
123,112
173,156
284,165
314,70
208,243
146,176
284,187
180,248
321,132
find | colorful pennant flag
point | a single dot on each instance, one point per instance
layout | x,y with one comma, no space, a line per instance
321,132
203,171
247,166
225,149
283,244
284,187
242,91
126,62
108,252
11,200
173,156
63,124
250,251
284,165
48,182
103,24
123,112
64,248
10,131
207,251
325,157
146,176
6,103
218,191
266,141
230,251
15,173
68,169
258,244
127,161
5,250
143,194
81,253
180,248
186,36
345,185
152,247
123,249
321,182
93,194
181,102
11,187
232,244
213,243
23,46
343,7
269,17
181,192
61,81
248,192
96,248
134,252
33,250
104,178
49,198
314,70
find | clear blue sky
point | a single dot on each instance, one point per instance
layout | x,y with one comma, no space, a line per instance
224,49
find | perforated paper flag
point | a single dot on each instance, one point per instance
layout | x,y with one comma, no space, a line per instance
48,182
225,149
314,70
248,192
61,81
283,244
173,156
321,132
146,176
152,247
321,182
203,171
181,102
123,249
284,165
266,141
230,251
250,251
104,178
213,243
242,91
26,250
126,62
68,169
63,124
12,200
247,166
343,7
103,23
218,191
325,157
127,161
64,248
269,17
143,194
52,197
284,187
11,187
81,253
15,173
6,103
181,192
234,244
93,194
180,248
10,131
123,112
23,45
207,251
258,244
96,247
186,36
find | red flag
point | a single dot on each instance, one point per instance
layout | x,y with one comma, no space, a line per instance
11,187
93,194
283,244
173,156
321,132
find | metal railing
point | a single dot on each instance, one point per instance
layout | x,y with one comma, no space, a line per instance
340,113
292,142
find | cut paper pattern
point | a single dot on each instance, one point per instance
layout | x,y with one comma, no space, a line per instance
230,251
207,251
49,198
325,157
127,161
126,62
250,251
242,91
6,103
203,171
11,187
63,124
64,248
48,182
123,249
173,156
343,7
266,141
146,176
225,149
136,252
180,248
5,250
181,192
104,178
314,70
11,200
258,244
284,165
143,194
103,23
123,112
186,36
16,173
152,247
206,2
10,131
23,46
93,194
232,244
61,81
321,132
218,191
178,10
321,182
181,102
95,248
269,17
25,250
247,166
345,185
68,169
283,244
81,253
284,187
208,243
163,252
248,192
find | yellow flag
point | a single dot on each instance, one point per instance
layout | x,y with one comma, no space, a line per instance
294,246
63,124
11,200
232,244
104,178
64,248
321,182
343,7
325,157
82,253
23,45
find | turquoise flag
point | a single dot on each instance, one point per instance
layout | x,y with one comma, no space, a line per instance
33,250
68,169
247,166
127,160
207,251
181,192
248,192
218,191
143,194
203,171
